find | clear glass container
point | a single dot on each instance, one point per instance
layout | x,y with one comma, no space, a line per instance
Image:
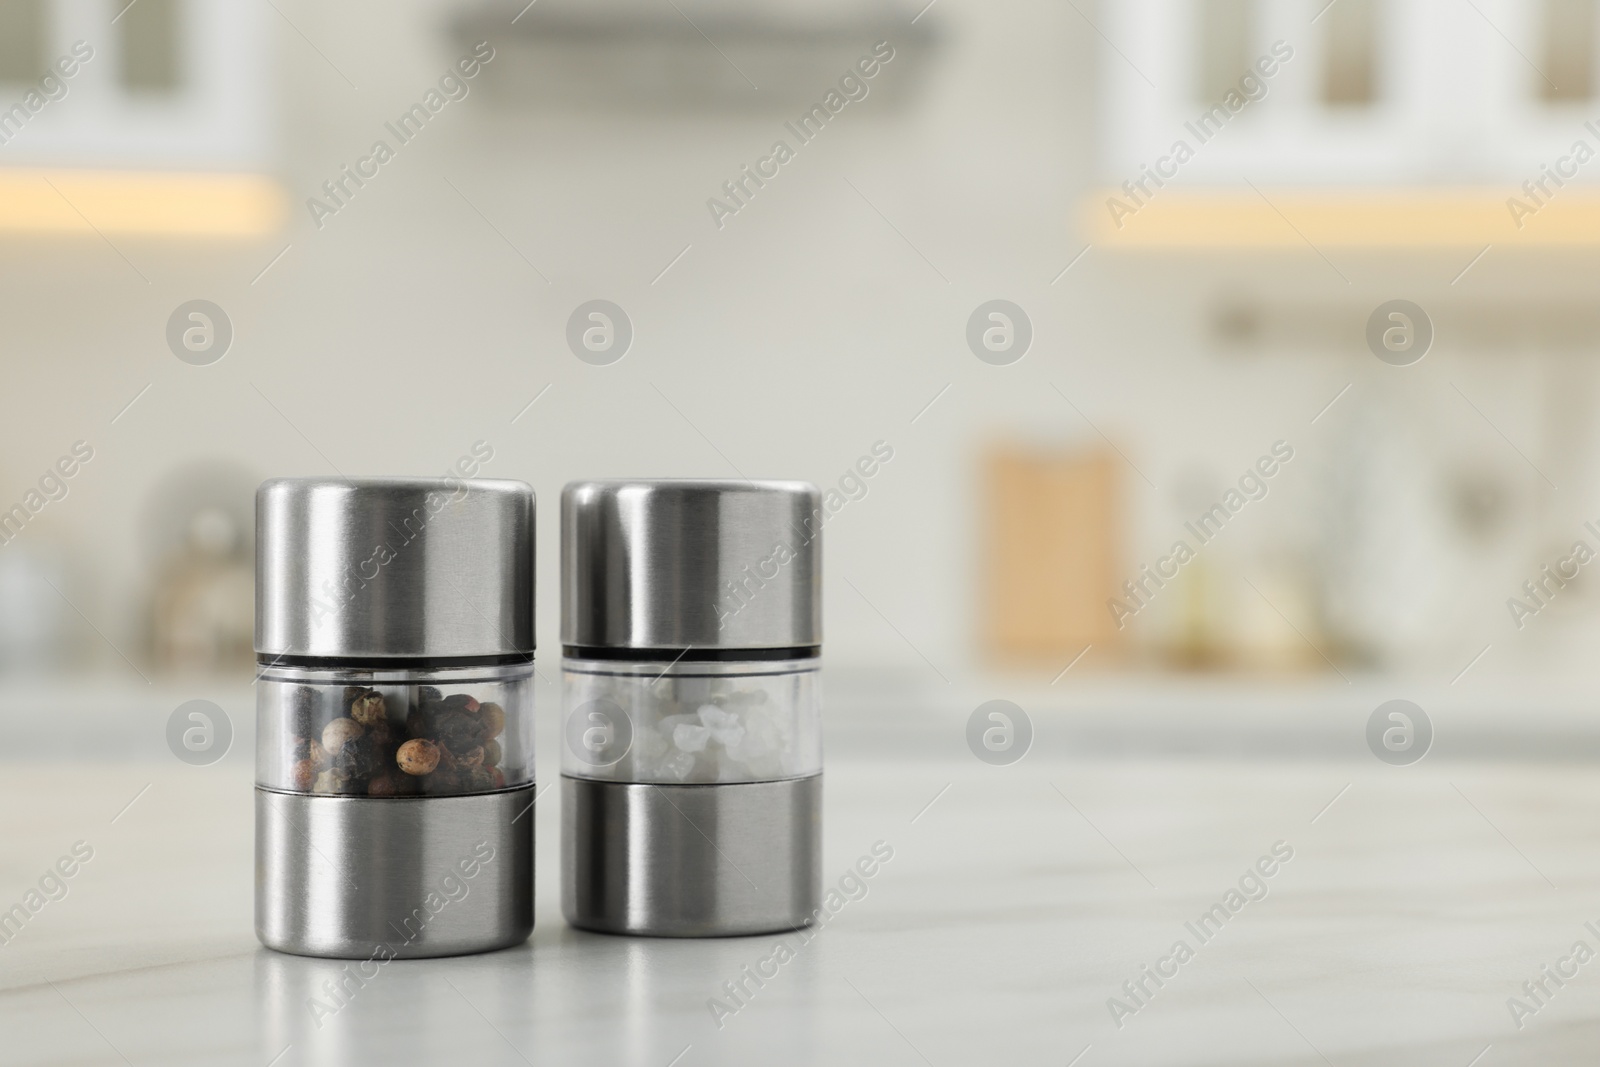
687,723
394,733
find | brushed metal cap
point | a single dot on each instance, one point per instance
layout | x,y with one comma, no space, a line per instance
691,564
385,568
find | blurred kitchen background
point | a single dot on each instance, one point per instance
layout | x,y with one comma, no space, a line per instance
1180,330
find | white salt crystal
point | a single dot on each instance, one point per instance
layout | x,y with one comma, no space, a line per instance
690,738
715,718
690,730
677,767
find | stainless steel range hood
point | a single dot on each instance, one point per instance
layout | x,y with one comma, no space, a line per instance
699,55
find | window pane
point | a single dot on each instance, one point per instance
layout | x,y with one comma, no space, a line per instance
150,46
1349,46
22,40
1568,50
1226,32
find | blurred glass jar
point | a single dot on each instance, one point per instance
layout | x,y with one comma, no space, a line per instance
202,602
394,755
692,744
34,633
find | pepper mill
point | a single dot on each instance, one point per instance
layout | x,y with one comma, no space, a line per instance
394,740
691,781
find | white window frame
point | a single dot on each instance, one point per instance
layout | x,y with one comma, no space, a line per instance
1456,104
217,117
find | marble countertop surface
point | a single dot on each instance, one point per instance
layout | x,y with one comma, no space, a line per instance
1417,901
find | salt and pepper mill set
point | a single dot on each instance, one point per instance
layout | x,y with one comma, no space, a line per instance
395,780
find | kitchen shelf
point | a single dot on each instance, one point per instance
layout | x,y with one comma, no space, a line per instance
1226,217
147,203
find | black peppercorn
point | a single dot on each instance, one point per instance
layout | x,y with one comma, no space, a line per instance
442,782
356,759
303,710
458,731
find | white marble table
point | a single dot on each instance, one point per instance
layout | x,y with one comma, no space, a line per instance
1014,907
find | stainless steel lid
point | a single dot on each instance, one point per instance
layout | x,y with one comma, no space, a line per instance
689,564
382,568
